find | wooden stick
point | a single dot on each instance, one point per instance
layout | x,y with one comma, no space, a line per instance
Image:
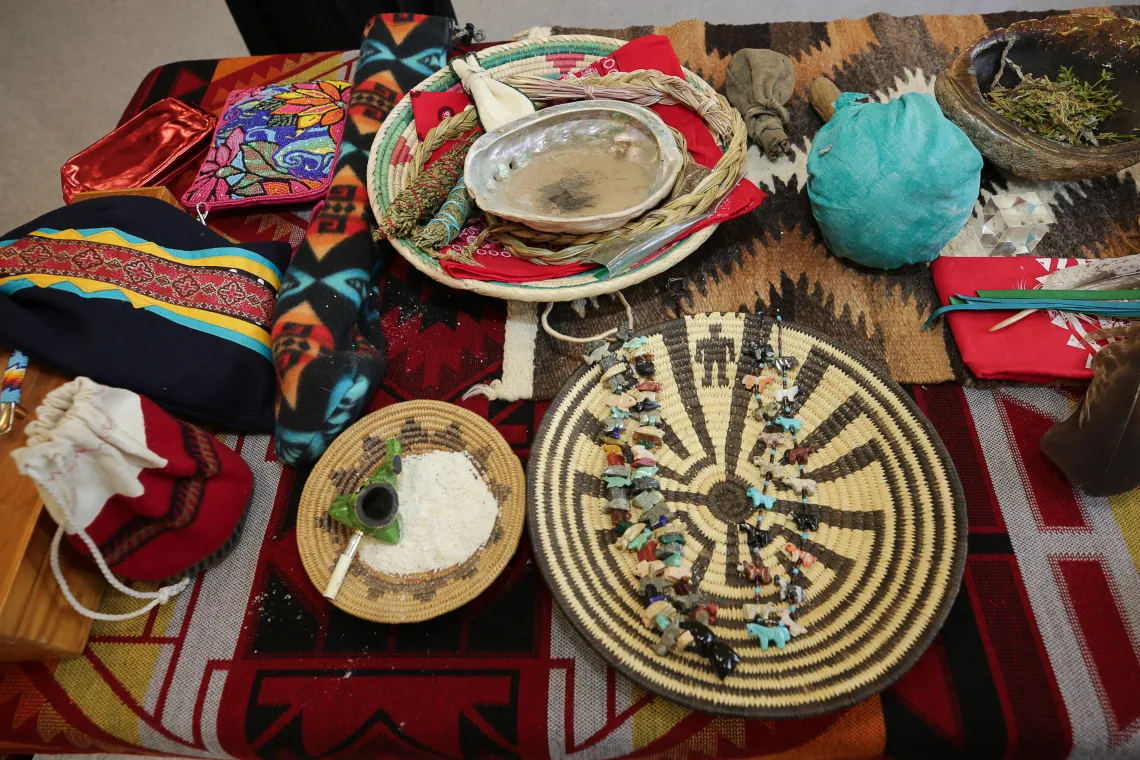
1015,318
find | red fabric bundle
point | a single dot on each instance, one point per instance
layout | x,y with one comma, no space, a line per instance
189,510
1041,347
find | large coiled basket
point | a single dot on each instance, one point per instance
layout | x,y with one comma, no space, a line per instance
392,150
890,548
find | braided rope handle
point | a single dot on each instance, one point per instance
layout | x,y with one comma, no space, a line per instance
643,87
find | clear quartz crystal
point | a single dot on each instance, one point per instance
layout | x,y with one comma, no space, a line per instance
1013,224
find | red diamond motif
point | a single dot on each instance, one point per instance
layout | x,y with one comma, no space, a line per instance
87,258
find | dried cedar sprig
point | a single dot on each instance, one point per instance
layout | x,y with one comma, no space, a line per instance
1067,110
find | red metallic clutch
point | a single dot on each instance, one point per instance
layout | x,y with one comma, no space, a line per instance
150,149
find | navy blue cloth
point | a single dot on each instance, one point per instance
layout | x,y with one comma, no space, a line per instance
190,372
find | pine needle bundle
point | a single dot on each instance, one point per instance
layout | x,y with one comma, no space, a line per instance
422,198
1068,110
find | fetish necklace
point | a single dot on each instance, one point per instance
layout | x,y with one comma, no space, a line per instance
678,614
766,621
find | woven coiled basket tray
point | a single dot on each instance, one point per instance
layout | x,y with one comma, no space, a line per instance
421,426
890,548
392,152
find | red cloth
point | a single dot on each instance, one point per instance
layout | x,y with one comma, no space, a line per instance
1040,348
495,263
430,108
654,51
189,509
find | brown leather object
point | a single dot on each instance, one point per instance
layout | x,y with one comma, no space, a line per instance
150,149
822,93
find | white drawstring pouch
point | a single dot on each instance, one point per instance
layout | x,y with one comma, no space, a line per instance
89,451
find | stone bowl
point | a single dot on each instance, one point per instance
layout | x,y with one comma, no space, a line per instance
1041,47
587,166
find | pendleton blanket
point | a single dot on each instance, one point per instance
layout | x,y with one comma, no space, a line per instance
1039,658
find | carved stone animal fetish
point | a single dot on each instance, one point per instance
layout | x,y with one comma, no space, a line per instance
789,424
793,627
787,394
761,612
759,499
799,455
755,573
802,486
767,634
772,440
771,469
757,383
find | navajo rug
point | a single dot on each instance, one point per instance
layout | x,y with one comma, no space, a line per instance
1040,655
774,258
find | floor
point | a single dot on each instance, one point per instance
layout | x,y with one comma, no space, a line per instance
70,67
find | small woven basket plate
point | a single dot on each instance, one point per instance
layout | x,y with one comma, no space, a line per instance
420,426
392,148
890,547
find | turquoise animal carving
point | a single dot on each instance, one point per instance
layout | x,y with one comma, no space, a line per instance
759,499
789,424
766,634
640,541
635,343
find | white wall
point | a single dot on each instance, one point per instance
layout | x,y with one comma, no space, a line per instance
68,69
504,17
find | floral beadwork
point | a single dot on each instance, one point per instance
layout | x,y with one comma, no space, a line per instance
274,144
678,614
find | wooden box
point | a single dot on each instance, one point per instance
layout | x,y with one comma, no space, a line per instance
149,192
36,622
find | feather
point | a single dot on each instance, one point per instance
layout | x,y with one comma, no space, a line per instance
1098,444
1121,273
1123,331
1120,282
1073,278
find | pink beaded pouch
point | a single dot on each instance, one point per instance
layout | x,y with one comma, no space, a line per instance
273,144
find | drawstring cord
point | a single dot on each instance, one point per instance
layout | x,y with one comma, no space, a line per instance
162,596
494,389
600,336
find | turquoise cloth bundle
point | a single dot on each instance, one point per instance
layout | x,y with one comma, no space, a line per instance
891,183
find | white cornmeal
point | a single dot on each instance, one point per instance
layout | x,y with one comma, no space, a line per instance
446,515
